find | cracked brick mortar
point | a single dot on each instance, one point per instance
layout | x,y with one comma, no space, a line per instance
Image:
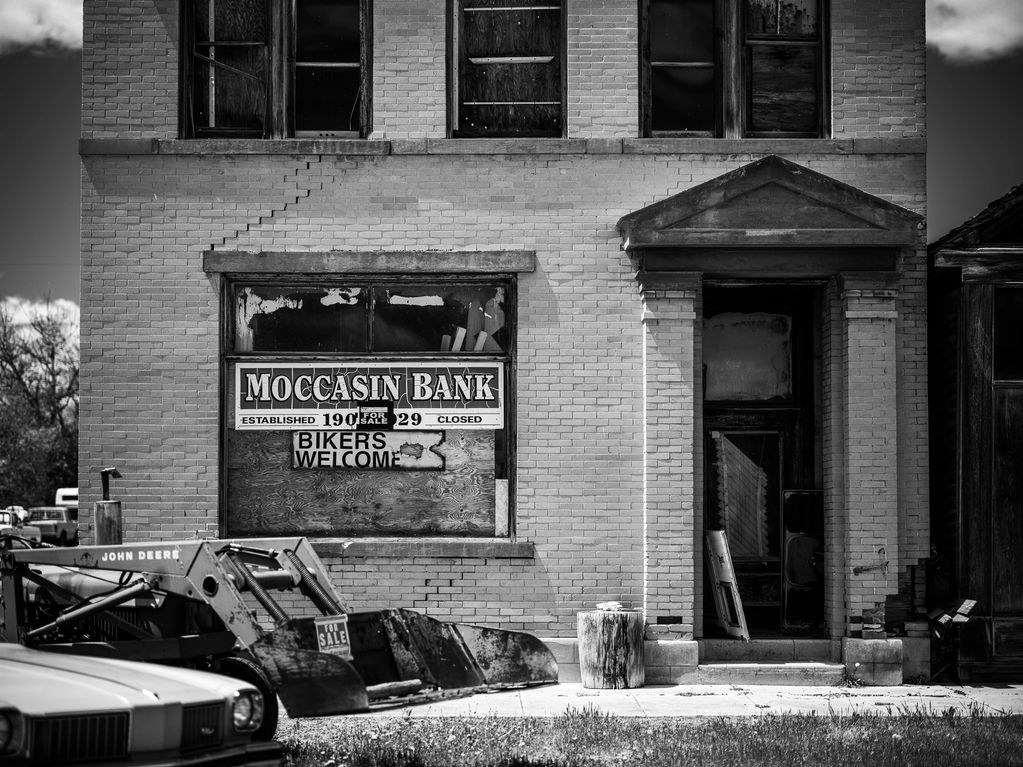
313,182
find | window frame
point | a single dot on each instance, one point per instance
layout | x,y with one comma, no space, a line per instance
454,37
733,91
279,82
505,528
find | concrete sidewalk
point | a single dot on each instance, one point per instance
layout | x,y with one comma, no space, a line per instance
730,700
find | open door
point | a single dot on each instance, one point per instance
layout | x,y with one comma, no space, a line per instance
761,354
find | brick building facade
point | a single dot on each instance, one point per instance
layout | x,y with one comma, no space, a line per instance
616,239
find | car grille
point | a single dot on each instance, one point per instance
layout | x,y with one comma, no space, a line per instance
83,738
202,726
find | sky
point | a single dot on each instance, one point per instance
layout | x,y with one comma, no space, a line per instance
974,94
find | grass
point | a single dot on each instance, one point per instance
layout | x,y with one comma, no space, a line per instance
592,739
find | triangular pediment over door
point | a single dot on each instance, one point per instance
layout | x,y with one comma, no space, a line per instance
769,218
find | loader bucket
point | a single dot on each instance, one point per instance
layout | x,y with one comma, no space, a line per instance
393,646
508,657
309,682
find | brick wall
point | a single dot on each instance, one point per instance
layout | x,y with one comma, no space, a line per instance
151,339
914,466
833,394
410,68
603,66
878,62
130,69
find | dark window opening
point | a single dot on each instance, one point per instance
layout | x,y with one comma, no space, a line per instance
508,68
1008,344
683,85
328,70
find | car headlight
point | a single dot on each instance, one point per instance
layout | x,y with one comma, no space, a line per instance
247,711
10,731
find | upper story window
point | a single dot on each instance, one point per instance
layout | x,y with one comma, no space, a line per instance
262,69
733,68
508,68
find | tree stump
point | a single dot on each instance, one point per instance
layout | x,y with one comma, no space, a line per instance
108,522
611,649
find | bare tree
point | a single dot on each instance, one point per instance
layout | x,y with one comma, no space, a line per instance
39,367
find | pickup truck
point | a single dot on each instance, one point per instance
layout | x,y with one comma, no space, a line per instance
10,524
57,524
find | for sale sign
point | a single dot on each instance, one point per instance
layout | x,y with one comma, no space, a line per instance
323,395
332,635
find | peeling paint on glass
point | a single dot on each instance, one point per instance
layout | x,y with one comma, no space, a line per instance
247,305
300,318
344,296
403,300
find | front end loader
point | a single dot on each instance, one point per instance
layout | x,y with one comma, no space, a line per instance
195,603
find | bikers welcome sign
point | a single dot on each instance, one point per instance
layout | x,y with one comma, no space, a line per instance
319,395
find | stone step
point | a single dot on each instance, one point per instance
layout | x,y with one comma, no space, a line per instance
769,650
808,673
767,662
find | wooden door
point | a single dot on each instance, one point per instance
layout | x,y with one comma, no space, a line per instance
990,552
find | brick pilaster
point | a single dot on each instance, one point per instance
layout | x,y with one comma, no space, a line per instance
869,415
672,509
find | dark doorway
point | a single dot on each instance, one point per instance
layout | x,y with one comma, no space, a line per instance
761,383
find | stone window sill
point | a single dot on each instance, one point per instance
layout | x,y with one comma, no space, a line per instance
507,146
431,548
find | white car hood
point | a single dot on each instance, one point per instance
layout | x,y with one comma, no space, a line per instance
52,683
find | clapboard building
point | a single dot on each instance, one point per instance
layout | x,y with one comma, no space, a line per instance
506,304
977,405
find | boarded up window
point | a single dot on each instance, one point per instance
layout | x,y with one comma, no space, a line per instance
449,480
268,495
732,67
230,66
783,67
509,68
273,70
